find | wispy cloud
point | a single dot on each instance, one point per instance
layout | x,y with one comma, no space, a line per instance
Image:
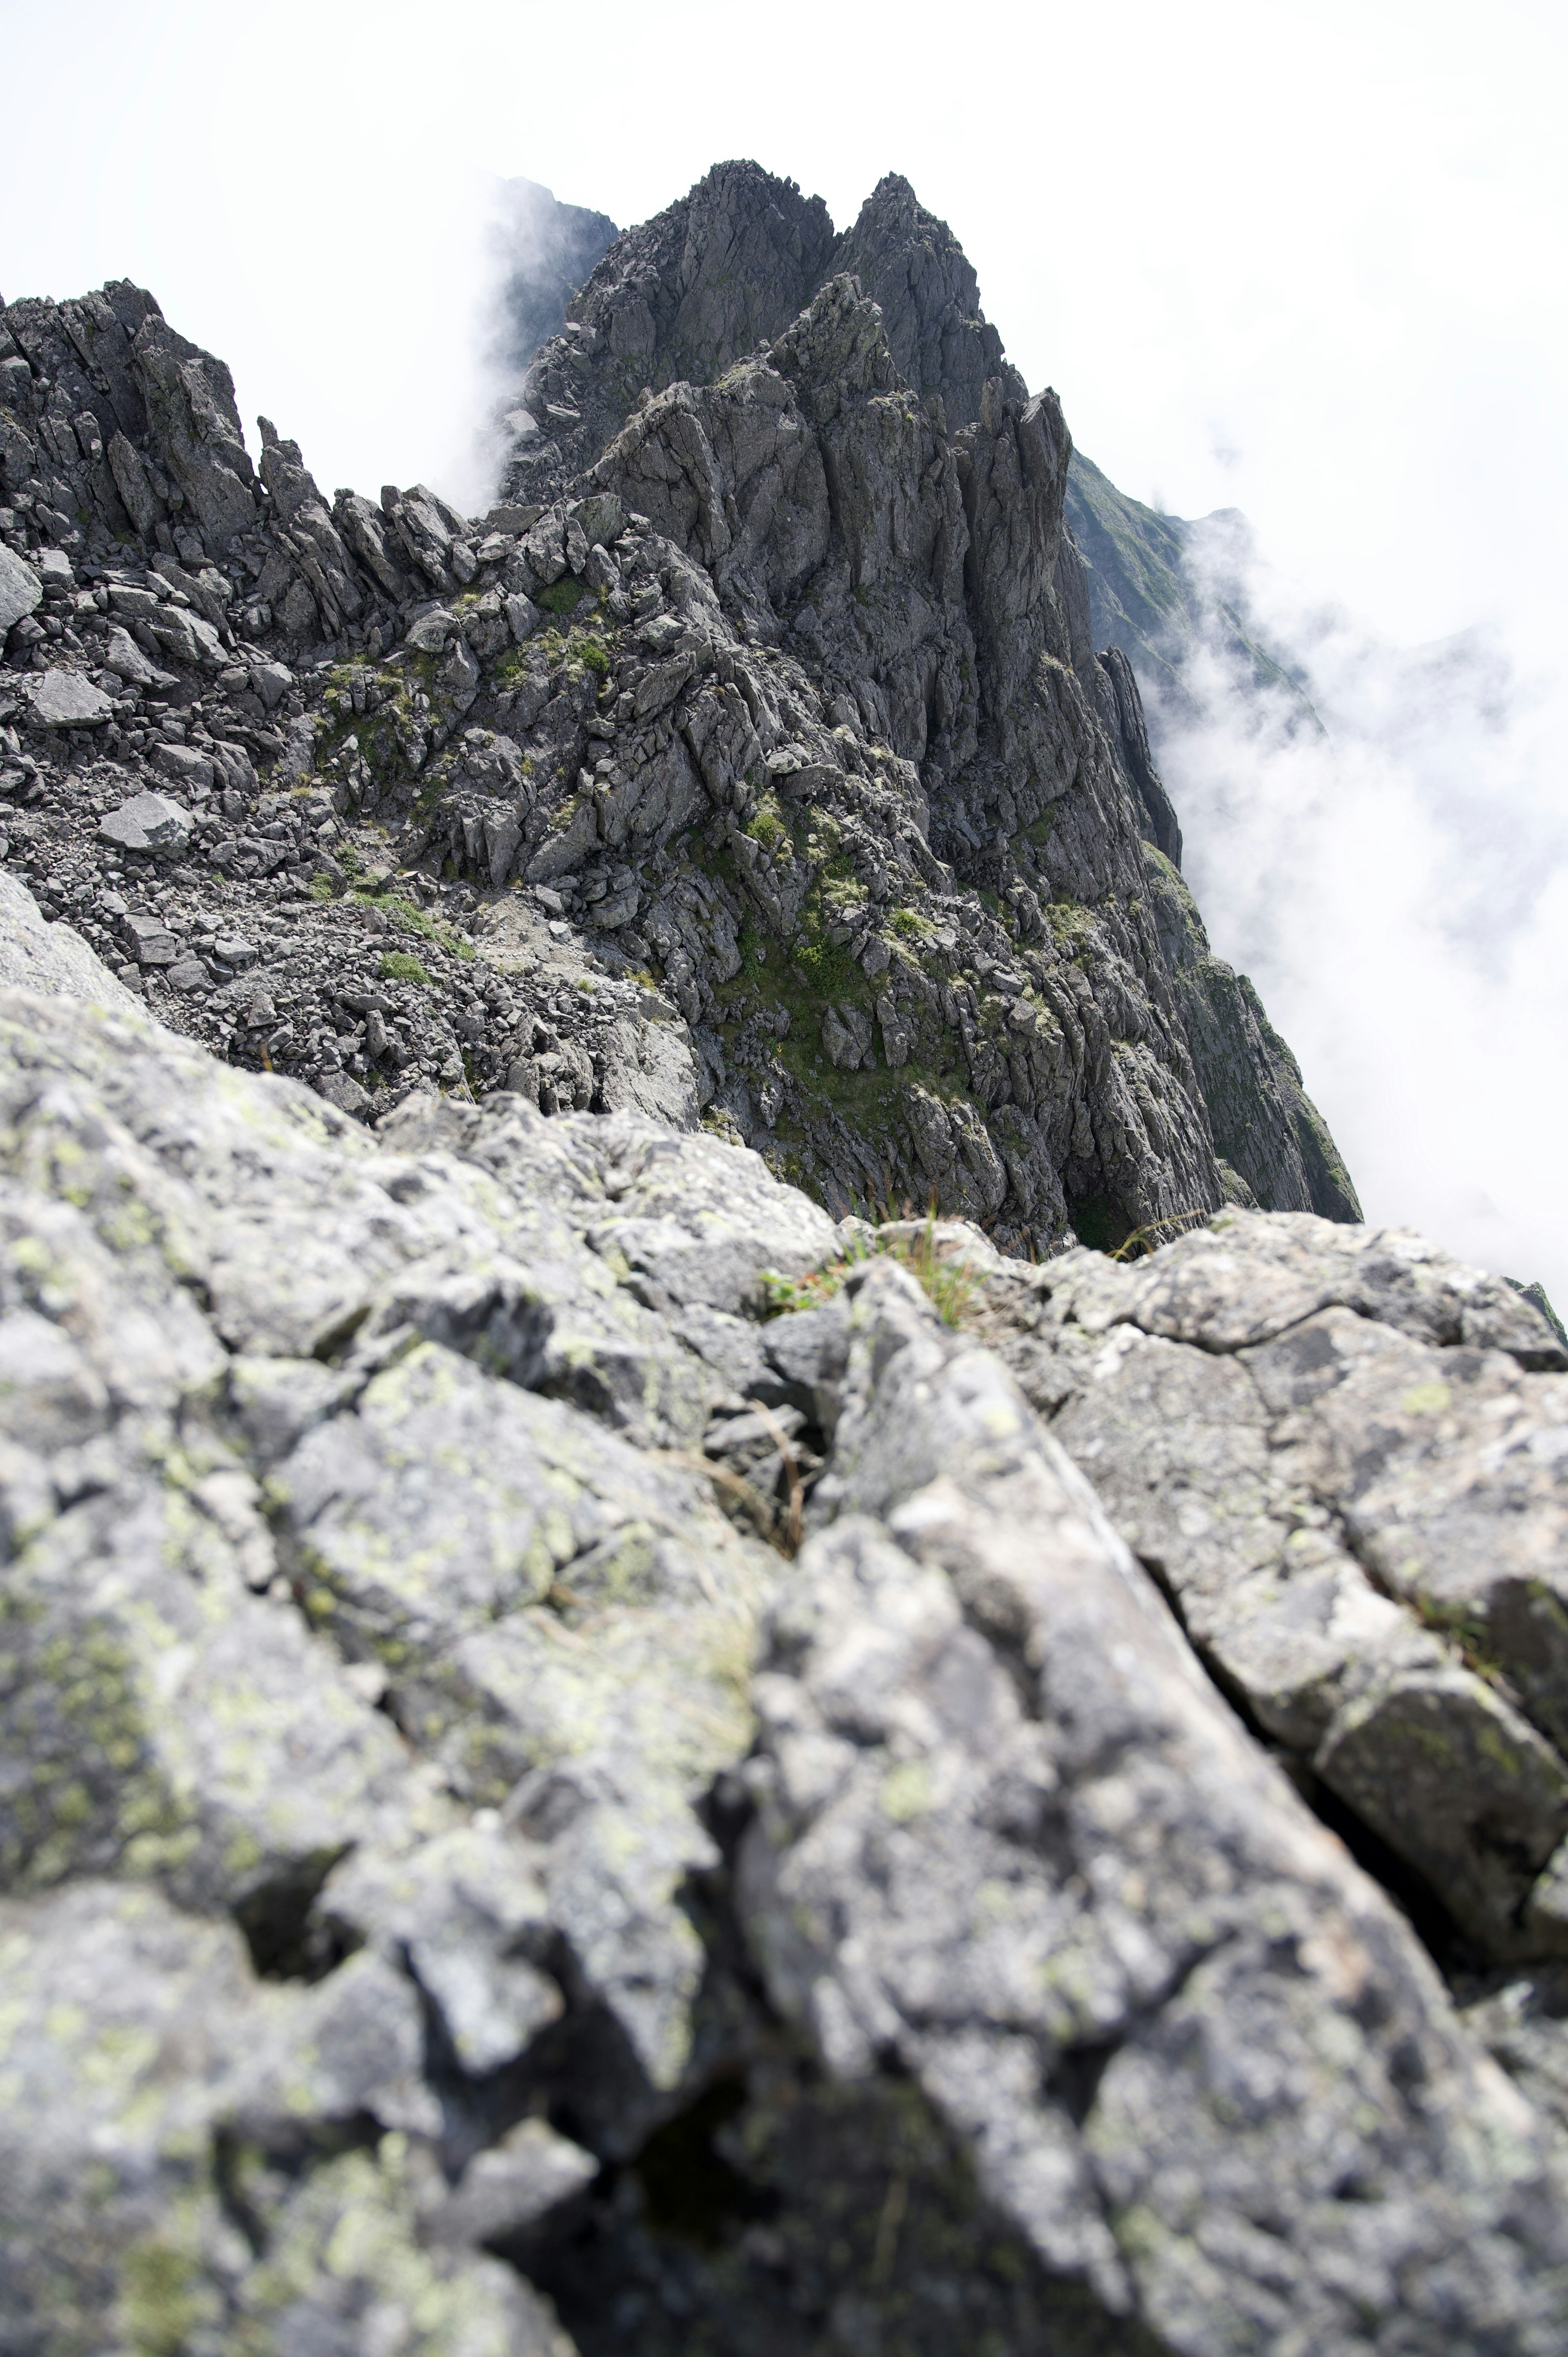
1397,886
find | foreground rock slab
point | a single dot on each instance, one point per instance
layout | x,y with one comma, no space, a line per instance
424,1812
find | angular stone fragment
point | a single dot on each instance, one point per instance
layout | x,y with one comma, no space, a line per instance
184,764
149,940
20,588
272,682
147,821
124,658
64,699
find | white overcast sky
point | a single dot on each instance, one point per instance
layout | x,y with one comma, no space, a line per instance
1306,259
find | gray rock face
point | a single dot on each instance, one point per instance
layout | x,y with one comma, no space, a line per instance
750,764
63,699
917,274
1267,1132
405,1761
724,269
20,590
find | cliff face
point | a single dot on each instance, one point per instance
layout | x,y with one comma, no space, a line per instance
768,695
924,587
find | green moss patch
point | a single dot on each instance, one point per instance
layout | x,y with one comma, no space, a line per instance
397,966
563,597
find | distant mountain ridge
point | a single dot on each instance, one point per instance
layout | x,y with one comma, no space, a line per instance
1161,587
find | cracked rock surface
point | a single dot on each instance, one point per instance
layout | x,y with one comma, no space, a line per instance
464,1888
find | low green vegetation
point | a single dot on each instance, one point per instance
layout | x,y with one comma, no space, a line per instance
512,668
830,970
948,1281
563,596
408,918
398,965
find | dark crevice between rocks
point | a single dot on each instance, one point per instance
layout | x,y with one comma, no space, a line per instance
773,2213
286,1940
1076,2075
252,2179
780,2214
1100,1222
608,2108
1428,1918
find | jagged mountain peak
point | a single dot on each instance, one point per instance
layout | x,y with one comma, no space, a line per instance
720,273
843,623
910,263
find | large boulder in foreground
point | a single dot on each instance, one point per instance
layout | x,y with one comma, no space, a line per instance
464,1891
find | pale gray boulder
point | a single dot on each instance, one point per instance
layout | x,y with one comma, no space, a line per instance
388,1701
147,821
1337,1446
37,955
65,699
20,590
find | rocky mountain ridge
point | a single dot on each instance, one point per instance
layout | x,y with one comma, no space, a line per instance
779,729
599,1749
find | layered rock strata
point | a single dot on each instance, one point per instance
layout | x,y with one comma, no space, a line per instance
750,762
471,1883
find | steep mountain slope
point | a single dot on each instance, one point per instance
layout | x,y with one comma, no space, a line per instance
983,680
551,248
1161,587
780,726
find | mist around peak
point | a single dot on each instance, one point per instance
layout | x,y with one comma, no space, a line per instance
1396,883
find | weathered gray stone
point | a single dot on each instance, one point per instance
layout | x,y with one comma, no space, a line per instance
34,955
124,658
147,821
325,1622
65,699
1302,1427
20,588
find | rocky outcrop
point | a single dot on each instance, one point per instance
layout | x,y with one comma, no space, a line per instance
751,761
580,1762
